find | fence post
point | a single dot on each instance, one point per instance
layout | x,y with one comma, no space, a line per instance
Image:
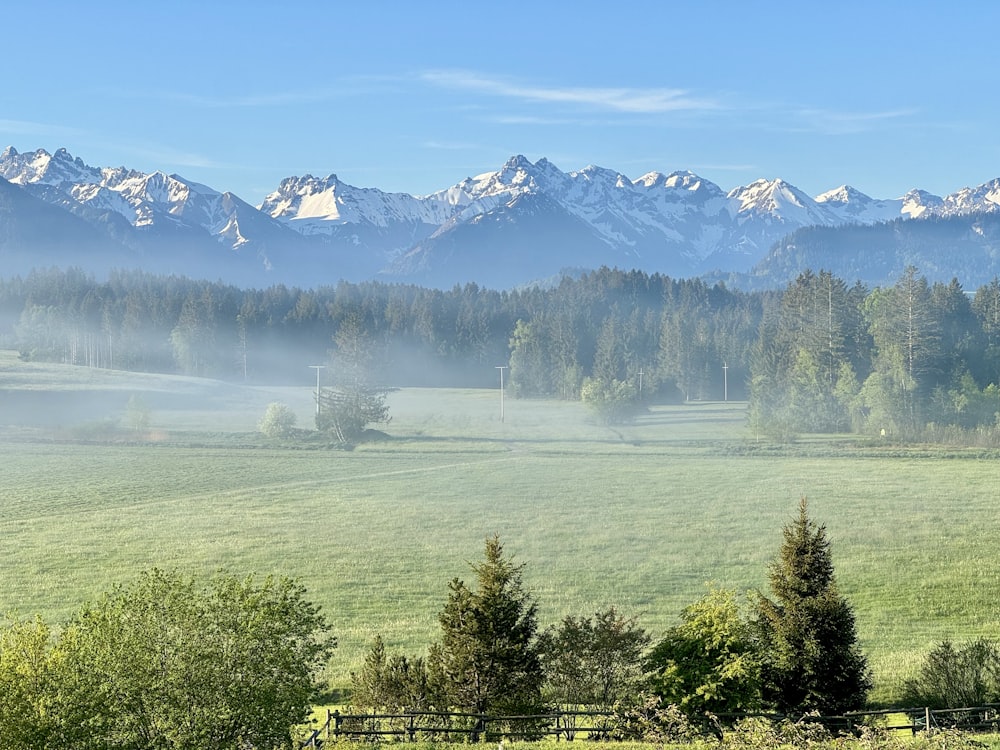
411,730
336,723
927,718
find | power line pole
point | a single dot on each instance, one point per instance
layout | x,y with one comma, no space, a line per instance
501,368
317,368
640,382
725,381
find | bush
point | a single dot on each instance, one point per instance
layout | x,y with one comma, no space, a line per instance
278,421
614,401
953,678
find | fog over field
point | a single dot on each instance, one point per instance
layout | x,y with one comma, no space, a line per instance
639,515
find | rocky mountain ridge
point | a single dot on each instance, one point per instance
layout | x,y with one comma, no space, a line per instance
523,222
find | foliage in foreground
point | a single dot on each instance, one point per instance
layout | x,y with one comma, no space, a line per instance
710,662
167,663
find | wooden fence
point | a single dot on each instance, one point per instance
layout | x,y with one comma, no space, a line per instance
569,725
443,725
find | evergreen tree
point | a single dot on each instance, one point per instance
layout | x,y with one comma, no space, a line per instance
391,682
811,658
488,658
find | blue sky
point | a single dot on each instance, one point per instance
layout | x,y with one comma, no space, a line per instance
414,97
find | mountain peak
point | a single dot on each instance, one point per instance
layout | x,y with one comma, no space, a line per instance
843,195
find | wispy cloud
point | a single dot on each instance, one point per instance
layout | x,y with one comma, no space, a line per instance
847,123
630,100
528,120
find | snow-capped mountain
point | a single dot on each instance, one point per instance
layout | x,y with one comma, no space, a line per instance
521,222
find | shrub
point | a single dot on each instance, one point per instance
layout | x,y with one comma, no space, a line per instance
278,420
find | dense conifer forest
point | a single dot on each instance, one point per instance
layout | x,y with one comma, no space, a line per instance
911,360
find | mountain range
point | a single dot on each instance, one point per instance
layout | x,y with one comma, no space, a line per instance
520,224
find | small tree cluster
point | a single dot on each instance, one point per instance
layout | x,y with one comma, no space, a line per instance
491,657
392,682
797,652
346,411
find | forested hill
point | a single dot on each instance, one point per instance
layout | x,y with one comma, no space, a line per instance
822,355
963,246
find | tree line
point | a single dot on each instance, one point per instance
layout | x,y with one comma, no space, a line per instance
607,324
907,361
794,651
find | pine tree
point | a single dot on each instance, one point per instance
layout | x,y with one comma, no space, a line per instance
488,659
811,658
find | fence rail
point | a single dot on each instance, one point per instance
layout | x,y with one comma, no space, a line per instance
412,725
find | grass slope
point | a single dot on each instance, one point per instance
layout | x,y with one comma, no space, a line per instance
640,517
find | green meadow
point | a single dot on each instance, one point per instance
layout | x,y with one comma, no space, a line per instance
642,517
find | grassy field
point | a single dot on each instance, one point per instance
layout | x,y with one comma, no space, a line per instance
641,516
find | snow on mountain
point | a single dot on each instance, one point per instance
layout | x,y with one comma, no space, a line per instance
678,223
982,199
42,167
851,205
920,203
155,203
776,201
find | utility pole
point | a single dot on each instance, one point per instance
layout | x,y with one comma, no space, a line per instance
501,368
725,381
317,368
640,382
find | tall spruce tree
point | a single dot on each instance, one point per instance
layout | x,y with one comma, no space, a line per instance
811,657
488,658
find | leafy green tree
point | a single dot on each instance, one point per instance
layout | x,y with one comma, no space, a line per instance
710,662
593,661
168,663
530,368
953,677
488,660
613,401
278,420
811,657
32,716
